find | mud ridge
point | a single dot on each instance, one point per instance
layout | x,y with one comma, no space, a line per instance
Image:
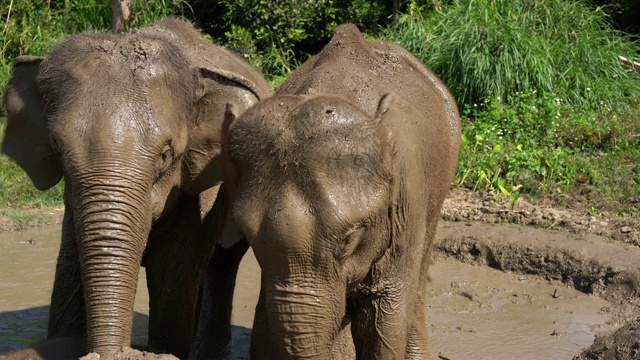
586,262
623,344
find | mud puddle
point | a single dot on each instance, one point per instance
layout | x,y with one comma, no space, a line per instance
474,312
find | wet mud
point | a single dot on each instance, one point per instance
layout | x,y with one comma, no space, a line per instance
511,291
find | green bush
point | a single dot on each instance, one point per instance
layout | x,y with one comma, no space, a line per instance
484,49
538,144
276,35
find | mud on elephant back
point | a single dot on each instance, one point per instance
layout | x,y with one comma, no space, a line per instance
337,183
132,122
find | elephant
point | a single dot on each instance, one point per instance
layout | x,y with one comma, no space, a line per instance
132,122
336,182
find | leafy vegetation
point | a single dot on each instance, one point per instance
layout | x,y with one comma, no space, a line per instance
539,145
547,109
277,35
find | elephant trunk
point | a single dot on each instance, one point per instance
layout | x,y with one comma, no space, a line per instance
304,320
113,223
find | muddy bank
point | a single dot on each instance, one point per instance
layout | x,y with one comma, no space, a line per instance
623,344
586,262
14,219
73,348
483,206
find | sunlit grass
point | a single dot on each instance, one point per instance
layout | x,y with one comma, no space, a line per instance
494,48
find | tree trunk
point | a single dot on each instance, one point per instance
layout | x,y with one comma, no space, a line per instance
119,14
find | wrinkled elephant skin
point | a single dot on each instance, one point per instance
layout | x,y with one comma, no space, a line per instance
339,194
132,122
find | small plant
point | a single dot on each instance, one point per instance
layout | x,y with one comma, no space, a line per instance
513,194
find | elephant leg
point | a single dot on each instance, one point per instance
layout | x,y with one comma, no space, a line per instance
177,256
417,339
214,325
66,314
343,345
260,339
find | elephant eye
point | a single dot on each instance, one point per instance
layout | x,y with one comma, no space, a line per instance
167,154
165,161
350,241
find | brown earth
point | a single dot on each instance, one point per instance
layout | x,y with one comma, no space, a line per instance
130,354
18,219
485,206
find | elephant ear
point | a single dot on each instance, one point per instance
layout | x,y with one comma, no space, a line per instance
230,116
203,165
26,139
385,114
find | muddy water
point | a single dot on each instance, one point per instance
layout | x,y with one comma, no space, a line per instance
474,312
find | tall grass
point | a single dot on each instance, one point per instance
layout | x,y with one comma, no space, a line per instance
494,48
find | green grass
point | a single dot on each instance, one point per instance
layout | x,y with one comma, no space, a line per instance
545,148
485,49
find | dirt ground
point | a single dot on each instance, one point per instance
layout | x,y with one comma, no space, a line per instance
596,253
487,207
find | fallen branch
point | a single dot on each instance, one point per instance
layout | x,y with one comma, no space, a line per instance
630,64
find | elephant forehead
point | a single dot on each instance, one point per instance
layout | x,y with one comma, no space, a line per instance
103,58
349,198
301,129
139,56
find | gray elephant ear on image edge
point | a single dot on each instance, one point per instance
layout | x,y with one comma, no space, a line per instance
203,166
384,104
26,139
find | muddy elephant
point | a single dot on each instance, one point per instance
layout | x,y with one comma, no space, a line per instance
339,196
132,122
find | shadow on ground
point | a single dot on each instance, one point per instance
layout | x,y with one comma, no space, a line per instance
23,328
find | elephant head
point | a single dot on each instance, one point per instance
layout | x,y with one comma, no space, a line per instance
132,122
315,198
